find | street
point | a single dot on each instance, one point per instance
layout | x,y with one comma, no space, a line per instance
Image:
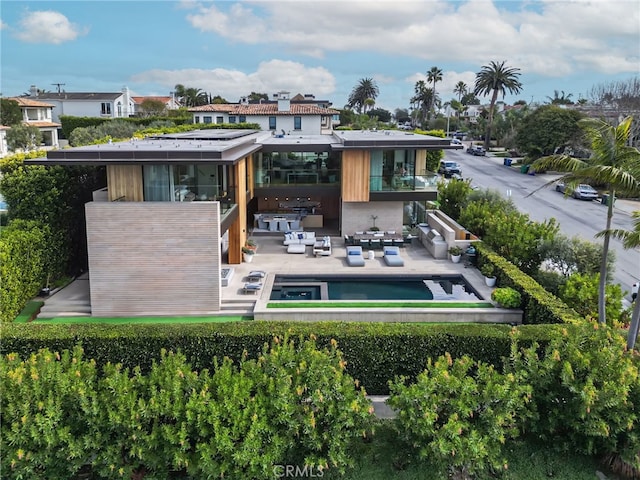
576,217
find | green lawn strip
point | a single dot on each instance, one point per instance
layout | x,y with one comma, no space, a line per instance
134,320
384,458
426,304
29,311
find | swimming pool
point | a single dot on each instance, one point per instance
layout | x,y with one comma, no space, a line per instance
379,287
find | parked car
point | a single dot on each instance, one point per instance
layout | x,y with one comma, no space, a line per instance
455,141
581,192
477,150
449,168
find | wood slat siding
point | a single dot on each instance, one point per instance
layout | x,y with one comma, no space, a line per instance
125,181
421,161
356,168
154,258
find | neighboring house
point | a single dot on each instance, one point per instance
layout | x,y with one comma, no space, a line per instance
169,102
472,112
178,197
282,116
4,149
39,114
89,104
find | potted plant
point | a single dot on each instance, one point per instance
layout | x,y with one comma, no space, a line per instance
489,272
251,244
248,253
507,297
456,253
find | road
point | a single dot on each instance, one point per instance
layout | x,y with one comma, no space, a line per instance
575,217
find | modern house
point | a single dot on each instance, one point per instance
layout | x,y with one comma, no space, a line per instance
175,204
88,104
39,114
305,115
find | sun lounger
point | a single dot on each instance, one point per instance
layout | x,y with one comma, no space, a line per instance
354,256
256,276
392,257
252,287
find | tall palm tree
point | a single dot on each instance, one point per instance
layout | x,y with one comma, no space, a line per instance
493,79
434,75
422,99
365,89
612,163
460,89
630,239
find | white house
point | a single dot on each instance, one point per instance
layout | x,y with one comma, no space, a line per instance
280,116
4,150
89,104
39,114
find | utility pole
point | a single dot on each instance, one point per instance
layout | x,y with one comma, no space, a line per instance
58,85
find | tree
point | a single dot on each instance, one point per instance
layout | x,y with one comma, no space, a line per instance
382,114
494,79
460,89
23,137
150,107
560,99
191,97
10,112
619,99
256,97
422,100
613,163
630,239
548,128
365,89
434,75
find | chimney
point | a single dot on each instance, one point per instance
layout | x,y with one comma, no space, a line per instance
33,91
284,104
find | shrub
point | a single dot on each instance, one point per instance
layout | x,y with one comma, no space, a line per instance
507,297
459,413
580,292
47,405
585,391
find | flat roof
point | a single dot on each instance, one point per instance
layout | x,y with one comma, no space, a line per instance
230,145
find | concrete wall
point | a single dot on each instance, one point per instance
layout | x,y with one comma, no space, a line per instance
154,258
356,216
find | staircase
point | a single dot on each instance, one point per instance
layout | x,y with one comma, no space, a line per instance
237,306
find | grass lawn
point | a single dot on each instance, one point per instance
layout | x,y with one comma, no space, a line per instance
527,460
134,320
426,304
29,311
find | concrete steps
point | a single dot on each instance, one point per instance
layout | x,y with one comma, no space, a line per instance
237,307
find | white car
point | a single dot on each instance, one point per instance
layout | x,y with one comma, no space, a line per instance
455,141
581,192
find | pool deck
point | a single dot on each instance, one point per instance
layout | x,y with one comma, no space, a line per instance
272,258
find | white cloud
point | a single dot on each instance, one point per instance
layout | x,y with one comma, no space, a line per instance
270,77
48,27
550,38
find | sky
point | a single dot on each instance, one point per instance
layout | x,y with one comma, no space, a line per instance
232,48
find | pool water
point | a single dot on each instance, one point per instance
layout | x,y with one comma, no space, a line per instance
408,287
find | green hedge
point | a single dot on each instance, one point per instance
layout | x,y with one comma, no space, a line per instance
539,305
375,352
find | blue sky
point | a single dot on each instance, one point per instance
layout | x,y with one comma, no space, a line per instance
232,48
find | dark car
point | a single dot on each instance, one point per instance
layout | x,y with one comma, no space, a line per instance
449,168
477,150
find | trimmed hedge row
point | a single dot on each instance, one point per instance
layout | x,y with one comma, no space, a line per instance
539,305
375,352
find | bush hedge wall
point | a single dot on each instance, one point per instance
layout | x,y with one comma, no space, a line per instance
539,305
375,353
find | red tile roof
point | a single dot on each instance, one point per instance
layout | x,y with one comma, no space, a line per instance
27,102
264,109
42,124
156,99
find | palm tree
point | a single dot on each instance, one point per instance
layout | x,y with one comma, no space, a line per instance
557,99
612,163
630,239
434,75
190,97
493,79
365,89
460,89
423,99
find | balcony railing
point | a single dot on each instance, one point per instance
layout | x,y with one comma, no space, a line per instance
397,183
290,176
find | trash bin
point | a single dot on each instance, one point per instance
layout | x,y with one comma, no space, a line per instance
507,162
605,199
524,168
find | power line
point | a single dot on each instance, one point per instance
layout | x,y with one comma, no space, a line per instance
58,85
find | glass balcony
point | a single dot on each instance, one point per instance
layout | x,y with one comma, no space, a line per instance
428,181
292,176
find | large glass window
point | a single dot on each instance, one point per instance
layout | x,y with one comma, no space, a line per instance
185,183
272,123
297,123
157,183
392,170
286,168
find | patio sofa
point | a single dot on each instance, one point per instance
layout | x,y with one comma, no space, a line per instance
303,238
354,256
392,257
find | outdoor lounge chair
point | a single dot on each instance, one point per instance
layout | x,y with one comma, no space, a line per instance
354,256
252,287
392,257
256,276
